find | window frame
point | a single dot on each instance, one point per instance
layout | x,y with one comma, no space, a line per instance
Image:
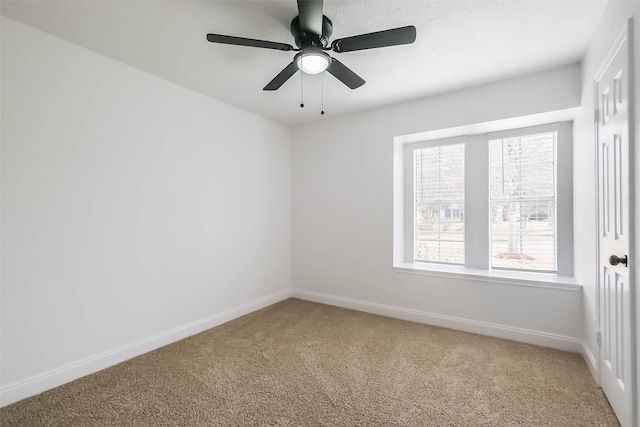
477,240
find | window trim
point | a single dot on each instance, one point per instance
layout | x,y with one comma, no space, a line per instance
477,261
508,277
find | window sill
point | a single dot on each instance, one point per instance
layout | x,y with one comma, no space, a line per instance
519,278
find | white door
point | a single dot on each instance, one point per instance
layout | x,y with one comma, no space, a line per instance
616,318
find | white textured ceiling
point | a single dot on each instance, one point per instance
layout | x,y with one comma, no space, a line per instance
459,44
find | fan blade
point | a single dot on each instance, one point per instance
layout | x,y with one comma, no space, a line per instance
310,13
393,37
282,77
241,41
344,74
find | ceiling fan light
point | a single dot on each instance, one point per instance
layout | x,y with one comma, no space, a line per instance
312,62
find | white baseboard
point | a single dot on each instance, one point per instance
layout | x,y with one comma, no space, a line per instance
591,361
544,339
37,384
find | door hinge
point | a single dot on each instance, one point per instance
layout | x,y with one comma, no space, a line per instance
595,115
598,337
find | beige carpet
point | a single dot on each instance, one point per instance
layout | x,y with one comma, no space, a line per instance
304,364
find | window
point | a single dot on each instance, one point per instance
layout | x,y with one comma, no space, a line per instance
439,203
523,202
486,202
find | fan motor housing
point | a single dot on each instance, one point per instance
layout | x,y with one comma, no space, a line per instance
307,40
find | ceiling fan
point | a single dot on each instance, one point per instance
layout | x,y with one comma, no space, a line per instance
311,31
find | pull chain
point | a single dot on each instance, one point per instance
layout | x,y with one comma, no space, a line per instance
301,91
322,96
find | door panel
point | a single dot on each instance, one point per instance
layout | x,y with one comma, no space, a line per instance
616,319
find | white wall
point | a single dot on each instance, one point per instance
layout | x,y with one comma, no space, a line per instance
609,27
342,216
134,211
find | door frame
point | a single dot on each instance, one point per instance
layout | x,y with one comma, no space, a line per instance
624,40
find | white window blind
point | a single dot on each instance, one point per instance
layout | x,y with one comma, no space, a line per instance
439,204
523,202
